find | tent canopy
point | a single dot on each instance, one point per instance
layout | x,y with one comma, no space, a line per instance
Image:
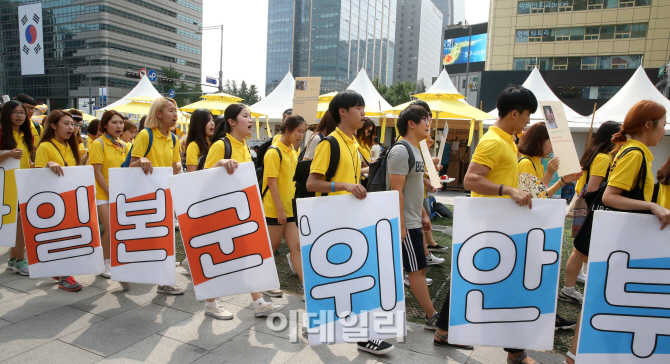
447,109
280,99
221,96
144,88
375,105
443,88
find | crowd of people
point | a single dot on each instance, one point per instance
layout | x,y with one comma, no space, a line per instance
617,161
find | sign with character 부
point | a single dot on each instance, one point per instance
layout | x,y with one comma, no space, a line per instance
626,314
504,270
60,221
142,226
8,203
352,267
223,227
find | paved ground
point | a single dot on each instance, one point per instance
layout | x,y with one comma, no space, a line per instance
41,324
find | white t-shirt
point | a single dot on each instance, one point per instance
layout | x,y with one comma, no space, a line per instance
375,151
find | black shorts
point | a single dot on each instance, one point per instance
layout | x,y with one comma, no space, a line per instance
582,241
413,255
273,221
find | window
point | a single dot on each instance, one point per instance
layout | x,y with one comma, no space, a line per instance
521,36
531,63
623,31
562,34
546,63
607,32
537,7
519,64
589,63
619,62
535,35
595,4
548,35
579,5
578,63
639,31
560,63
577,34
604,63
626,3
574,63
591,33
524,7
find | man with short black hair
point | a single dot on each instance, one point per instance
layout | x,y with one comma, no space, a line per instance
29,105
286,114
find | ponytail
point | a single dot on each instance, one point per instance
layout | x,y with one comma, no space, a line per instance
231,112
637,118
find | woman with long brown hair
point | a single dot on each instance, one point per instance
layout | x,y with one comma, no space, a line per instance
365,137
326,126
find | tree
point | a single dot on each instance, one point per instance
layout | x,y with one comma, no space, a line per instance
248,94
182,89
395,94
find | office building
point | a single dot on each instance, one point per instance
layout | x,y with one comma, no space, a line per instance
106,39
453,11
418,35
333,40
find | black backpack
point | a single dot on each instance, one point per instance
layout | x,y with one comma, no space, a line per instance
38,127
303,167
260,154
261,169
302,152
228,151
377,173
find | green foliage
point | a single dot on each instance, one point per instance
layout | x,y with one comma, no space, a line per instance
248,94
398,93
180,87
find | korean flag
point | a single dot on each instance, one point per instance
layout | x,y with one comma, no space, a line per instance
32,44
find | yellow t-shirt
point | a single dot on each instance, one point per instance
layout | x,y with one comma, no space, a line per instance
56,152
284,174
664,195
625,170
24,163
110,157
275,138
349,166
34,131
365,151
533,166
239,152
497,151
192,154
163,152
601,163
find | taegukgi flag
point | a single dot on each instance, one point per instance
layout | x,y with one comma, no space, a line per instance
31,41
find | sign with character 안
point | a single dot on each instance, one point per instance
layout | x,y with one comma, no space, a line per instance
142,226
60,221
352,267
224,232
626,314
8,203
504,270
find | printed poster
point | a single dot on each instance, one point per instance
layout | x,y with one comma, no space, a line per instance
504,270
626,314
306,98
561,138
9,202
142,226
352,267
60,221
223,227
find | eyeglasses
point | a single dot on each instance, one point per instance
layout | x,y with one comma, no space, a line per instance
77,125
428,121
19,113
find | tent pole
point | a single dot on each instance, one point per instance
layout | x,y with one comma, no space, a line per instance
588,136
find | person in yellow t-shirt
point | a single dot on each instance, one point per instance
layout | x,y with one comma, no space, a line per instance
59,148
278,189
365,137
129,131
17,142
105,153
236,127
198,140
663,177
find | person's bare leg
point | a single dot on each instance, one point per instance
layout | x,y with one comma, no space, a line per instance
575,339
292,238
428,238
528,360
17,250
276,232
417,283
572,268
103,216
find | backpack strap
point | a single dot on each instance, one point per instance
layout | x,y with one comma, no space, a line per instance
174,139
102,144
280,160
38,127
334,157
228,148
151,140
654,197
531,161
411,160
642,175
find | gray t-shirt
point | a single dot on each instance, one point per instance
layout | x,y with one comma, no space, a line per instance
398,163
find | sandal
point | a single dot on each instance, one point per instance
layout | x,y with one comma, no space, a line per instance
519,359
571,356
441,340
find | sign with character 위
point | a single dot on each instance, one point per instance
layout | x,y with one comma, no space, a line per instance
60,221
504,270
352,267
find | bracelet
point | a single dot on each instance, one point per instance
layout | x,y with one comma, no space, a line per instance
332,186
562,182
500,190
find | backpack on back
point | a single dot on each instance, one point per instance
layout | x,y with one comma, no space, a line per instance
228,151
126,163
377,174
303,167
38,127
260,154
261,169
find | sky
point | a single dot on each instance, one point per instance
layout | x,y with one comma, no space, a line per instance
245,38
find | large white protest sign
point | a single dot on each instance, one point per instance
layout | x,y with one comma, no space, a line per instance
8,203
504,272
626,314
352,267
142,226
31,42
60,221
224,232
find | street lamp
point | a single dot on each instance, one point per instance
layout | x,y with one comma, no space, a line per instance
467,65
200,29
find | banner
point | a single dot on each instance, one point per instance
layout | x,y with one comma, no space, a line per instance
306,98
352,267
8,203
31,43
141,226
561,138
626,314
223,227
504,270
60,221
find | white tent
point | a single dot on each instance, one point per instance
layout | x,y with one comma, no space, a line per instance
374,103
280,99
542,92
143,88
443,85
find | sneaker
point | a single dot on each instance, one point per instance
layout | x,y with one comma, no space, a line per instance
21,267
377,347
581,277
574,297
429,281
69,284
108,269
290,264
267,309
273,292
10,263
125,286
437,248
304,325
303,297
564,324
433,260
170,289
218,312
176,224
186,266
431,323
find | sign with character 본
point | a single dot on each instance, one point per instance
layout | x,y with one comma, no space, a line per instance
142,226
626,314
60,221
8,203
352,267
223,227
504,270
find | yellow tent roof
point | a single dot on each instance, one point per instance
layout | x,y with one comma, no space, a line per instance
447,109
148,99
85,116
439,94
327,97
216,106
221,96
138,108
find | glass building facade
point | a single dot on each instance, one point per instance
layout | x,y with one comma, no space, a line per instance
105,39
333,40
